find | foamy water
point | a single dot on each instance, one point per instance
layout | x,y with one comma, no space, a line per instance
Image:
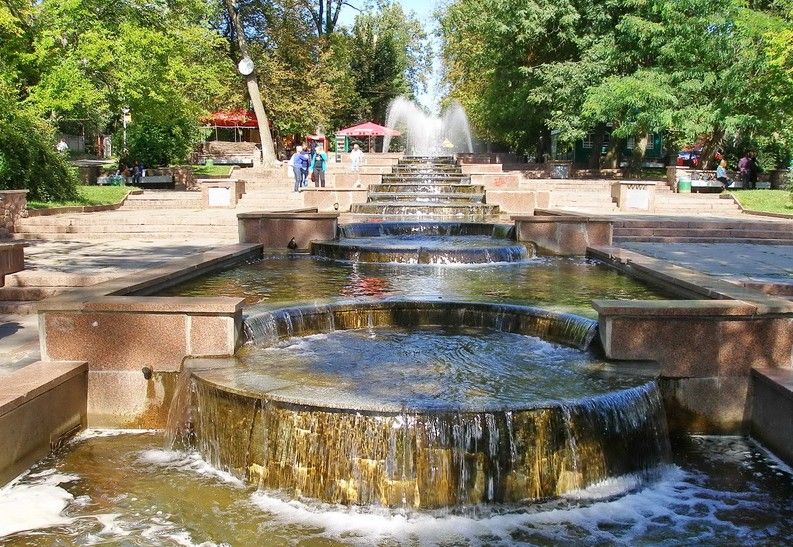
127,489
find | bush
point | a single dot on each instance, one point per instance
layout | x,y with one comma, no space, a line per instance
28,159
156,143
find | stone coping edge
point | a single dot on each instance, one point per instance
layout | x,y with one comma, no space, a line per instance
142,284
688,282
560,218
289,215
779,379
23,191
29,382
674,308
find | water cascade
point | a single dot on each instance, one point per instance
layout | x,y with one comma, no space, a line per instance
423,187
425,243
318,429
428,135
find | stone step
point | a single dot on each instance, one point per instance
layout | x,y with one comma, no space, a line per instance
128,220
704,224
163,204
412,208
128,228
426,197
18,307
21,294
142,236
703,232
700,239
42,279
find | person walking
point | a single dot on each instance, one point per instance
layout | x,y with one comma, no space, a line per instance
296,162
754,169
319,164
305,161
356,157
743,169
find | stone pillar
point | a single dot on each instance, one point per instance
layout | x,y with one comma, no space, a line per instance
704,350
221,193
563,235
183,178
634,195
276,230
12,208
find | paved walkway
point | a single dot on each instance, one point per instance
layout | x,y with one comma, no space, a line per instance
80,262
732,260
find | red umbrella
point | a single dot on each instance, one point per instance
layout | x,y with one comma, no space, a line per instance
235,118
370,130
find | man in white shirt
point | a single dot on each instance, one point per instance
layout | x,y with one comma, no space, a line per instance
62,147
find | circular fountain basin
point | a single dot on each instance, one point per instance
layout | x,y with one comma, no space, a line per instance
424,243
424,404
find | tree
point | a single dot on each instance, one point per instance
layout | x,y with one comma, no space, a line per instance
268,149
390,57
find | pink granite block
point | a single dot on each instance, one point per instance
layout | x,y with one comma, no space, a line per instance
116,341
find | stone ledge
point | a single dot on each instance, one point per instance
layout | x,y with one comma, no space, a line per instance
211,305
560,219
310,215
688,282
31,381
772,409
674,308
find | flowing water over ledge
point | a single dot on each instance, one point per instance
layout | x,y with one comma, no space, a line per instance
408,403
128,490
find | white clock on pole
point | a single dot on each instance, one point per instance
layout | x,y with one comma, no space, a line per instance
245,66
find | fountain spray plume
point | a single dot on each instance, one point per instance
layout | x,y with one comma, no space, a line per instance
428,135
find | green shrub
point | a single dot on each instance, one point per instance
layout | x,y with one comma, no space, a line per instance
158,143
28,159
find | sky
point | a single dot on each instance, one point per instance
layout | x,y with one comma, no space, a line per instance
424,10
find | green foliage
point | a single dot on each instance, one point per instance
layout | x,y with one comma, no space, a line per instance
390,57
709,71
87,59
157,142
28,158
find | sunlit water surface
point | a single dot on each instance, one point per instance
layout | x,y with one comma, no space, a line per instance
562,284
127,490
430,368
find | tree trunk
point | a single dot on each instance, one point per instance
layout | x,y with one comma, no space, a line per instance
597,145
268,150
709,149
639,148
612,158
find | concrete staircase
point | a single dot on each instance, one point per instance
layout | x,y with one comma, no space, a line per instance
691,230
163,199
594,196
145,224
23,289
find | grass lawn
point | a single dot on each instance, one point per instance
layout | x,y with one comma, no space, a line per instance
767,201
88,195
213,171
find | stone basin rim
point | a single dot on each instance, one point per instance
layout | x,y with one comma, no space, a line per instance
292,395
387,410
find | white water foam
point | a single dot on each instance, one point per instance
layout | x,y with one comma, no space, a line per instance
36,504
618,511
187,461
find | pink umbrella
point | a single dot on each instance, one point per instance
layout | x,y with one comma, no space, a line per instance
370,130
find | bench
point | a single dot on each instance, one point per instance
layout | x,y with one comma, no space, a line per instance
705,180
153,181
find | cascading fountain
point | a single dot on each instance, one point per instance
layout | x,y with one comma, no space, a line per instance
423,404
428,135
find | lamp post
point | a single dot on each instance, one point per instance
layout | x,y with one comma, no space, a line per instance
125,112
